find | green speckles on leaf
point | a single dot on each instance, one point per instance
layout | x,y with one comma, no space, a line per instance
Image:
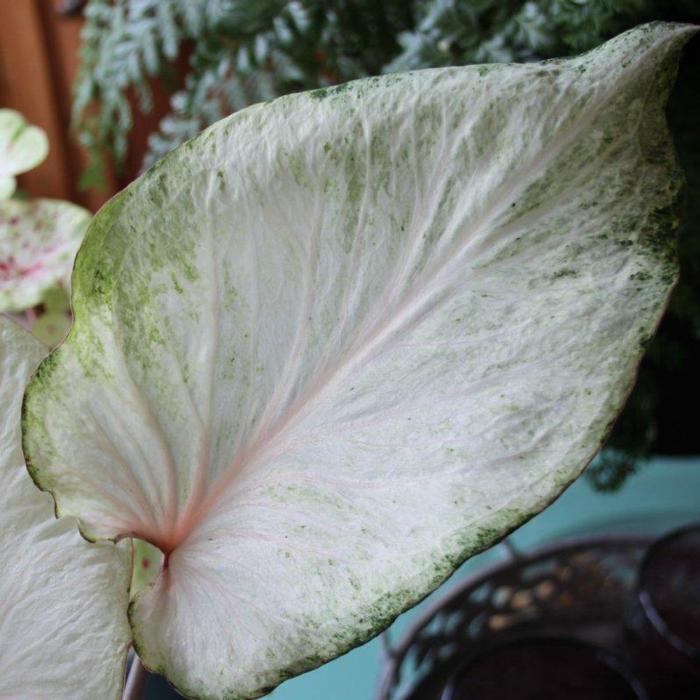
176,285
230,293
335,91
189,269
299,168
221,179
564,272
159,190
641,276
93,275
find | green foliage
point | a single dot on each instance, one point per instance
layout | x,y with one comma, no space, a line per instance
245,51
240,52
456,32
123,45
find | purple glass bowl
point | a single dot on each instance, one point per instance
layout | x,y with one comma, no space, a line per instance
544,669
664,621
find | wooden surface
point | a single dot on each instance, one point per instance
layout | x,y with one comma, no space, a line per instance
39,58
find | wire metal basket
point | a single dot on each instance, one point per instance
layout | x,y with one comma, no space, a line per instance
578,588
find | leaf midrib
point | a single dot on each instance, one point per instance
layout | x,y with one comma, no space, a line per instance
368,340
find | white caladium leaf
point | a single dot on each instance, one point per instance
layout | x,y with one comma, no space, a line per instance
342,341
22,147
38,243
7,187
64,633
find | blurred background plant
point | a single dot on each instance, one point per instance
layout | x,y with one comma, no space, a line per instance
38,237
218,56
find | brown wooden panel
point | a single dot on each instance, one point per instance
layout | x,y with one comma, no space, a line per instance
26,85
62,36
39,59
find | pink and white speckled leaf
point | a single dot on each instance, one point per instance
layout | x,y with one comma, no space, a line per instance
345,339
64,633
22,147
38,242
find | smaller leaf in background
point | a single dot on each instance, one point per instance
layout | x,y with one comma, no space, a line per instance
22,147
38,242
51,328
147,565
63,627
55,300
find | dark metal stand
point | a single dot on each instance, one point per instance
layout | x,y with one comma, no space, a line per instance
577,588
